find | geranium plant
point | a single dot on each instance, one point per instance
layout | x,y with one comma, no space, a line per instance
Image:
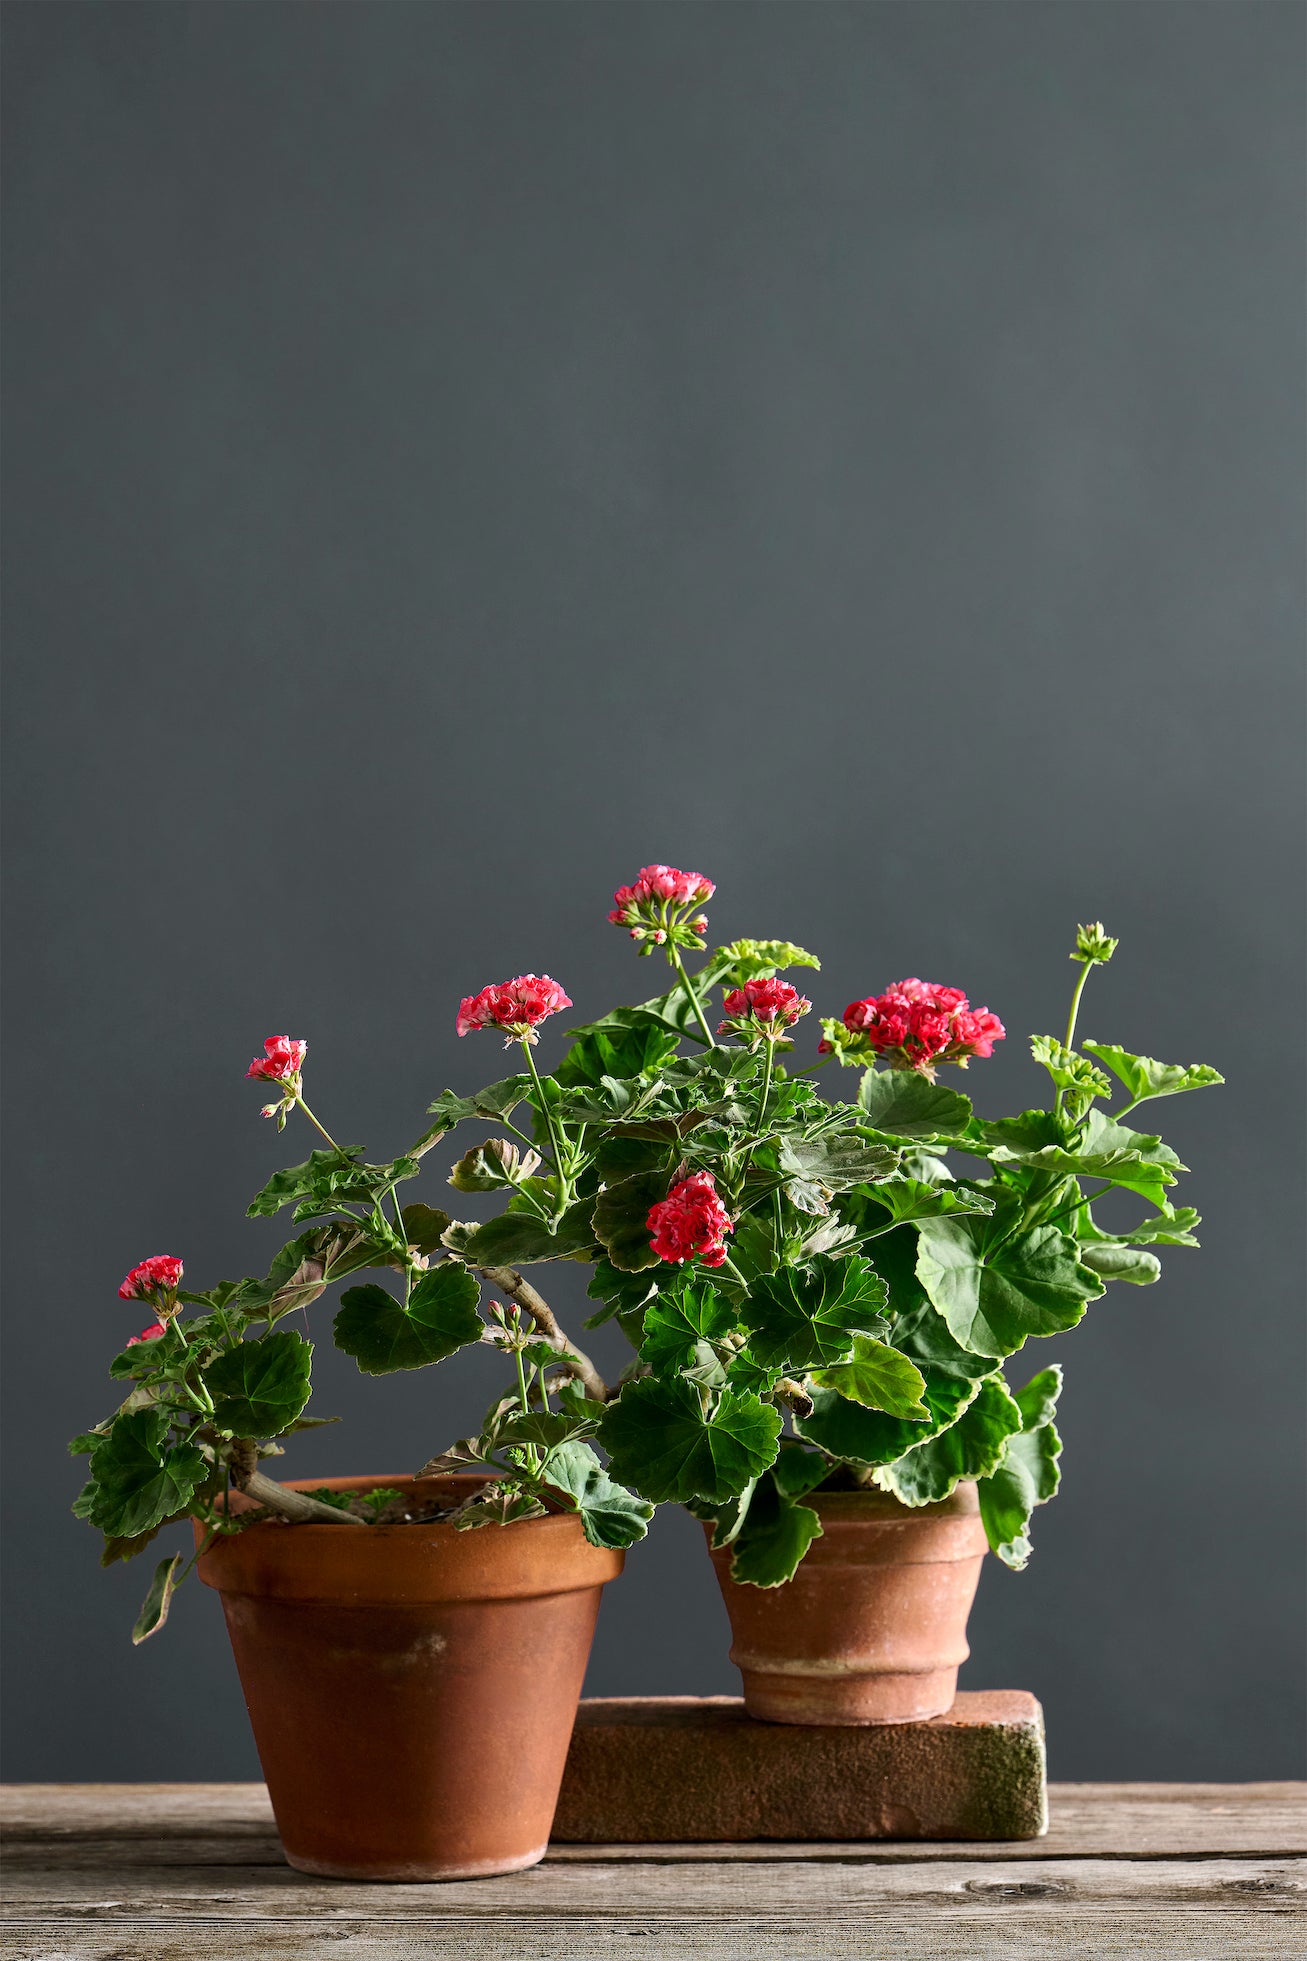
819,1294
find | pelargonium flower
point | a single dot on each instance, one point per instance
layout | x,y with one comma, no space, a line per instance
281,1062
152,1333
654,909
690,1222
155,1280
762,1007
517,1006
915,1024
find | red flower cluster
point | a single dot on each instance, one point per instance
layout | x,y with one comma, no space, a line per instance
654,907
154,1280
517,1006
690,1222
281,1061
152,1333
914,1024
762,1007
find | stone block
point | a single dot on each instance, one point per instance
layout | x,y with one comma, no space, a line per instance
684,1769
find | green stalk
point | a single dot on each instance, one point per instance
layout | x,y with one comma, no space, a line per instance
1071,1024
766,1083
674,955
316,1125
564,1182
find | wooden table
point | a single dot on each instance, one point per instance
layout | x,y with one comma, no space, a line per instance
181,1872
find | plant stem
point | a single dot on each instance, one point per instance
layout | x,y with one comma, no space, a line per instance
1071,1022
766,1083
564,1182
509,1281
674,955
321,1128
296,1506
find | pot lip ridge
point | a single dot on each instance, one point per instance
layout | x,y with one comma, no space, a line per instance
432,1562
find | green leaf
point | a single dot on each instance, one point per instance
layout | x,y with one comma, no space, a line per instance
1027,1474
678,1326
541,1429
1171,1226
518,1238
835,1161
797,1470
745,960
856,1435
425,1227
1069,1071
996,1292
774,1537
328,1180
1144,1078
1126,1157
625,1293
259,1387
138,1479
901,1103
621,1215
805,1317
913,1198
382,1336
1113,1262
969,1448
610,1514
154,1609
496,1101
616,1050
878,1377
661,1440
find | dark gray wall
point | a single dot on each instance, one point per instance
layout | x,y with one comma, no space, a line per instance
459,453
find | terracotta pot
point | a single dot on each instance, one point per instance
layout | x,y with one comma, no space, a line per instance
873,1626
412,1688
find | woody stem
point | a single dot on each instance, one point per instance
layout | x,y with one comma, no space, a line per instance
509,1281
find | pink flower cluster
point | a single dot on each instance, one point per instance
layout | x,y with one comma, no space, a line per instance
281,1061
654,907
517,1006
914,1025
690,1222
161,1274
155,1280
762,1007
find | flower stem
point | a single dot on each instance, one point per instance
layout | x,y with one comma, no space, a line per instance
564,1182
766,1083
1071,1022
316,1125
674,955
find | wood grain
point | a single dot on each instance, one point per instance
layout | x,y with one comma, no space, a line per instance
1086,1820
193,1873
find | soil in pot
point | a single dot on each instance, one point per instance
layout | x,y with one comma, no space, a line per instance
872,1628
411,1687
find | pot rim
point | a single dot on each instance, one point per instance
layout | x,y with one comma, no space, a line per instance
373,1565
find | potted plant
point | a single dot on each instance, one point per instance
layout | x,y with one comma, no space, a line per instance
820,1314
821,1311
411,1681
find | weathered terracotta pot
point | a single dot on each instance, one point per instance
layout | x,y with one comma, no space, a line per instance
873,1626
412,1688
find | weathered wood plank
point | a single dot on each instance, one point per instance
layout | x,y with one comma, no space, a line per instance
1146,1935
224,1824
782,1889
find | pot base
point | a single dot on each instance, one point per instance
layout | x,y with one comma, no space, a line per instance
853,1701
419,1874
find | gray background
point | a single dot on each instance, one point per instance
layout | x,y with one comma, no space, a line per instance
458,454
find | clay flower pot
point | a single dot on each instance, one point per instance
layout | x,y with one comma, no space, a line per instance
873,1626
412,1688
